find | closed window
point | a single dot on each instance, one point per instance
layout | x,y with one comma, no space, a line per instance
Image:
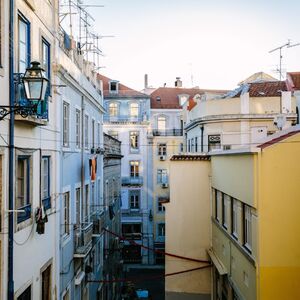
134,198
23,188
224,210
46,284
23,43
77,195
234,217
247,222
160,206
134,141
162,149
46,182
161,123
162,176
134,168
66,213
86,131
77,128
66,119
218,201
46,63
113,109
134,109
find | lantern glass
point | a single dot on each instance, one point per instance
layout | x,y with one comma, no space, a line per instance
35,82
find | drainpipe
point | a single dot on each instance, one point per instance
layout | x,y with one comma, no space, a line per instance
202,131
82,157
10,267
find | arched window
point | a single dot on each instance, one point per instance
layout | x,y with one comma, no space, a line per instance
161,123
134,109
113,109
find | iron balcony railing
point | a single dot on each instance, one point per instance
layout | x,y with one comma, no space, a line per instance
126,118
83,239
137,180
98,220
167,132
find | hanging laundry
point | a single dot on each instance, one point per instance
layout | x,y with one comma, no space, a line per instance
93,168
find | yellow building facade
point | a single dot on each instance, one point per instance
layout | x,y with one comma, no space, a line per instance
255,249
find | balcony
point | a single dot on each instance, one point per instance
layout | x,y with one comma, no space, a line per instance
124,119
36,118
83,239
132,236
167,132
98,223
133,181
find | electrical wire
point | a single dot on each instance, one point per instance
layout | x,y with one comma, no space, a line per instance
138,279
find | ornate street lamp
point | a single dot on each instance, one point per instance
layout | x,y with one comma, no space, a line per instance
35,85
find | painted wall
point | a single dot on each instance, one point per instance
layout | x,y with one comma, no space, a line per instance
187,226
279,227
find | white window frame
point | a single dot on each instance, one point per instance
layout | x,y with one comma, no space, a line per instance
162,149
162,176
78,128
66,213
66,124
247,227
234,218
86,131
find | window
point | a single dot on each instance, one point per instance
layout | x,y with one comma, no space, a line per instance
161,123
234,217
46,63
162,176
66,117
46,182
134,198
46,284
86,203
192,145
162,149
86,132
24,44
134,168
247,221
113,87
196,144
23,188
134,140
160,206
77,128
134,110
161,230
66,213
224,211
218,197
214,142
113,109
98,134
93,133
77,195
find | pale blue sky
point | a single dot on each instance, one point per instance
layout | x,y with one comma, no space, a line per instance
218,42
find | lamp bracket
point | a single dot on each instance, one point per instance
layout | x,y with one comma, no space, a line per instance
24,111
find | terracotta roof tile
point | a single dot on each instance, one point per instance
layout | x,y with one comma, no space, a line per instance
169,97
123,90
266,89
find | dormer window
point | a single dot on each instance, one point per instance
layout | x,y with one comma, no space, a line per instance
113,87
183,98
158,98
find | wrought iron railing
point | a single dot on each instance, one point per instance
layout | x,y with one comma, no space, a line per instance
167,132
138,180
83,238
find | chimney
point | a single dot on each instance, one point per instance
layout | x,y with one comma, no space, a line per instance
178,82
146,81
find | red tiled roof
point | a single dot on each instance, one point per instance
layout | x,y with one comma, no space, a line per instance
266,89
123,90
278,139
294,79
169,96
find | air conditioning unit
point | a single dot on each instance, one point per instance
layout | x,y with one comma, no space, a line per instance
162,157
164,185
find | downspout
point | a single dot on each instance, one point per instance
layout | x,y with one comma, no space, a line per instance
82,161
10,274
202,131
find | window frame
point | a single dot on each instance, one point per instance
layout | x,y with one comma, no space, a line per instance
224,211
247,227
234,218
77,128
162,173
25,21
135,109
162,149
134,166
26,203
46,200
66,124
162,225
134,198
136,147
86,131
66,213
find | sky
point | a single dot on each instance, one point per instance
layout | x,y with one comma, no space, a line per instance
211,44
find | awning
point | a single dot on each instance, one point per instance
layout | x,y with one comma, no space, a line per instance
217,262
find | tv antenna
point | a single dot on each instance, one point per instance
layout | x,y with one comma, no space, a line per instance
287,45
